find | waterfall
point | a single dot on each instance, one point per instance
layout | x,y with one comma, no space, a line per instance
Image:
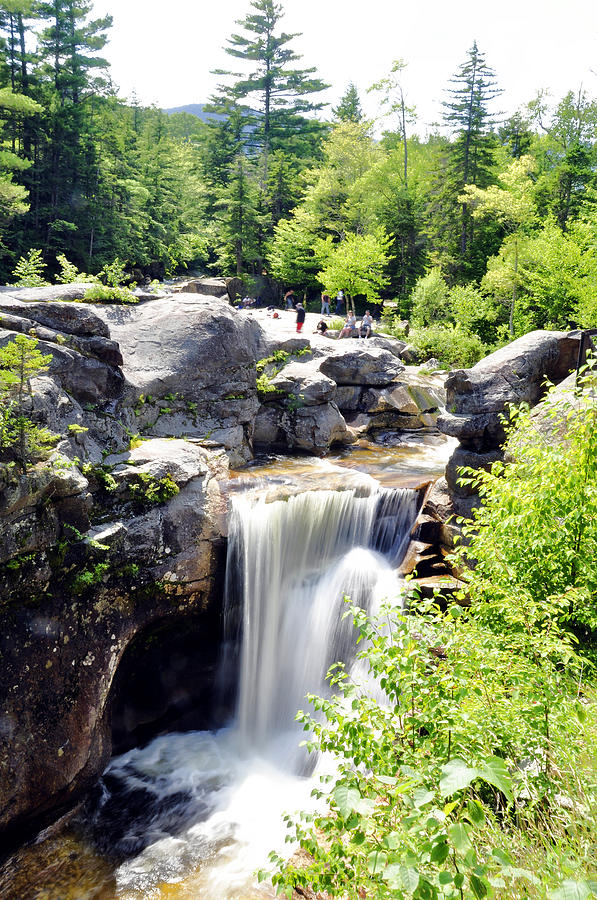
290,565
208,807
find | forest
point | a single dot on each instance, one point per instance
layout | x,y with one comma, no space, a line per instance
479,231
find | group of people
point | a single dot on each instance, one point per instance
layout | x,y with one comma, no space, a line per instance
350,324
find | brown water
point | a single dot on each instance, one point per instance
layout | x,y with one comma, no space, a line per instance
216,865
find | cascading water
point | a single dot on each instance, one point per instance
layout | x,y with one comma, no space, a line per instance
291,564
209,806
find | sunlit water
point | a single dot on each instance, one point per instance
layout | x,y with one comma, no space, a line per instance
194,815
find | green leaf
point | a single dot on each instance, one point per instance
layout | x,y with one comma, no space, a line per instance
377,861
459,837
571,890
346,799
409,878
496,773
445,878
475,812
455,776
440,852
421,797
478,886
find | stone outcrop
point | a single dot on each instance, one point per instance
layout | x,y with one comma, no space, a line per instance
87,597
477,398
476,401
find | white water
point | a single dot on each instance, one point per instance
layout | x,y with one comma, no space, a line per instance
216,800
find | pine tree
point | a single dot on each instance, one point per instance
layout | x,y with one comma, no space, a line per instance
349,108
280,91
471,157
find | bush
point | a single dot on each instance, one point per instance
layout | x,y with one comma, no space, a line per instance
452,346
29,270
101,293
544,499
430,300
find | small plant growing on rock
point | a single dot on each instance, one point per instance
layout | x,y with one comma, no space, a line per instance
69,274
101,293
20,438
148,490
28,272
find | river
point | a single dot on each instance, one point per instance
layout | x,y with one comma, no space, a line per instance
194,815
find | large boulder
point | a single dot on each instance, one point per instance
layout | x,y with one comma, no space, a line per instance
477,398
357,364
189,365
305,381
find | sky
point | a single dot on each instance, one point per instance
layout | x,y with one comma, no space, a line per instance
164,52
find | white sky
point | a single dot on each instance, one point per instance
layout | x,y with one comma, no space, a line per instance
164,52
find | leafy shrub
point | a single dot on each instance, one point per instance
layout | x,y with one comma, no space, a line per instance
430,299
113,273
452,346
101,293
544,499
69,274
28,272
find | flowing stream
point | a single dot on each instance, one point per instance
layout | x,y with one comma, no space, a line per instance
193,815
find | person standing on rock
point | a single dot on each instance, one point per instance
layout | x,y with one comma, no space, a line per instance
289,299
300,316
325,303
339,303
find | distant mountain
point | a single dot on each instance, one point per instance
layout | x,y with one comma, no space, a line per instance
195,109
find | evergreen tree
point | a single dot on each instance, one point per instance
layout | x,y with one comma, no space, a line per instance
280,91
349,108
471,153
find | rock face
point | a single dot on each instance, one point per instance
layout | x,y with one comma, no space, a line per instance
347,390
477,397
476,400
87,598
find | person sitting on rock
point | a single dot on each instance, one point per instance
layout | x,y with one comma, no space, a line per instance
322,327
349,326
366,325
300,316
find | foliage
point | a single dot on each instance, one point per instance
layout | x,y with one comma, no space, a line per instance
554,566
356,265
101,293
431,799
29,270
20,438
148,490
68,272
430,299
451,345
